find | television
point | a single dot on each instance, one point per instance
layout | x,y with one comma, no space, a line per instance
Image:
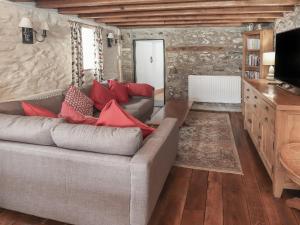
287,59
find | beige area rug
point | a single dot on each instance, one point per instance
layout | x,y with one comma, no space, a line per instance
207,143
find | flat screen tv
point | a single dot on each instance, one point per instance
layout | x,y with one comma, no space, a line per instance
287,60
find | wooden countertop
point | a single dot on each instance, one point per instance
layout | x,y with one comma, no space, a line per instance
279,98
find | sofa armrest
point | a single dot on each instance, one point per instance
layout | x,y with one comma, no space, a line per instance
149,169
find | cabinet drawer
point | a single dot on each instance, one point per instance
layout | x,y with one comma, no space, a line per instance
268,115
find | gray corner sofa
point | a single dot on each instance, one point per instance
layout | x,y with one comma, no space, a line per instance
52,169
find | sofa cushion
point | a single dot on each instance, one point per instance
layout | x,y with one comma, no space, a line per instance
139,107
100,94
119,90
32,130
135,89
72,116
34,110
107,140
115,116
79,101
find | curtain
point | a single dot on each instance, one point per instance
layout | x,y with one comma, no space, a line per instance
98,42
77,58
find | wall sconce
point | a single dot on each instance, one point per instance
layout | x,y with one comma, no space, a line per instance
27,31
110,39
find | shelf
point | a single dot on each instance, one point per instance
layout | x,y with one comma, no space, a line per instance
252,68
253,50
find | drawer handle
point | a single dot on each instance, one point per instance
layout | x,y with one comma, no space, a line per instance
255,106
249,121
259,137
248,89
266,119
267,108
255,97
247,97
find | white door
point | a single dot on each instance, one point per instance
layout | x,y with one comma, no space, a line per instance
149,64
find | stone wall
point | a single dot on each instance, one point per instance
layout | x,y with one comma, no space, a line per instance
288,22
30,69
197,51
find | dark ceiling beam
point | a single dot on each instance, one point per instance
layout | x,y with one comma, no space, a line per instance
182,18
86,3
182,26
212,11
219,21
176,6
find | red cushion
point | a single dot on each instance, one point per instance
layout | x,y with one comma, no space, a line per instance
100,95
72,116
115,116
79,101
135,89
34,110
119,90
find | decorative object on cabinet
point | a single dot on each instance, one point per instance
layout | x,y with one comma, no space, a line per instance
272,119
269,60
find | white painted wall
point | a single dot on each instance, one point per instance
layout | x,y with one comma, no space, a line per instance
147,70
26,70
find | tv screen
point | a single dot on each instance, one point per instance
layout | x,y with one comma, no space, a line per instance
287,60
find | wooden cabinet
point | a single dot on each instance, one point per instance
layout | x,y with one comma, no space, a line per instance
272,119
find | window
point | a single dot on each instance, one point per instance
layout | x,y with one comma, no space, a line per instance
88,48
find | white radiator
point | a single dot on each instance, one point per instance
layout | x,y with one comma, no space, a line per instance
216,89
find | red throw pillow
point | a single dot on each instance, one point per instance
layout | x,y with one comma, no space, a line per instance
144,90
100,95
34,110
72,116
79,101
113,115
119,90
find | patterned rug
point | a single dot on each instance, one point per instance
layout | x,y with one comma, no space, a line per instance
207,143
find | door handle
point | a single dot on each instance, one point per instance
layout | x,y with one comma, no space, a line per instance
151,59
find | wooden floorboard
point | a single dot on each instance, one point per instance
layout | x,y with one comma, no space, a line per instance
193,197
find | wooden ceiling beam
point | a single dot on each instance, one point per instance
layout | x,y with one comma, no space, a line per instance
205,17
182,26
212,11
176,6
220,21
86,3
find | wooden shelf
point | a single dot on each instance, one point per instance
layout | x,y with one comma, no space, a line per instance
252,68
253,50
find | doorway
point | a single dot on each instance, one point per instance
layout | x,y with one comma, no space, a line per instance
149,58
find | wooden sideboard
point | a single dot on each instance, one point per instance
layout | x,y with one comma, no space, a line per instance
272,119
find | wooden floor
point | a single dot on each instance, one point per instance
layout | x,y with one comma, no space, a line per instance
192,197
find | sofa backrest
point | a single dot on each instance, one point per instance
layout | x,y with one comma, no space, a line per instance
51,101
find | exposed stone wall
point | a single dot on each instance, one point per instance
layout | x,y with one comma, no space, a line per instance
289,21
30,69
197,51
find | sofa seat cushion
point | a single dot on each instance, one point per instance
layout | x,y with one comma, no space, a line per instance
107,140
32,130
139,107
